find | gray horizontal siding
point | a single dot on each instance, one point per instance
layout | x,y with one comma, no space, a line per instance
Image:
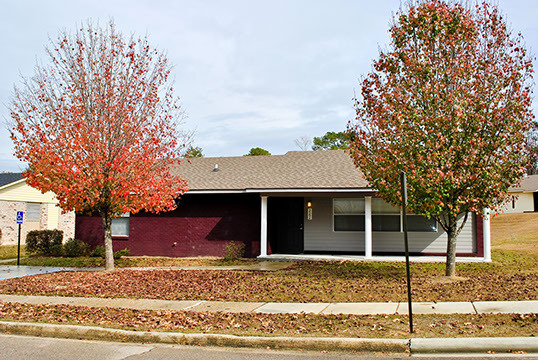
319,235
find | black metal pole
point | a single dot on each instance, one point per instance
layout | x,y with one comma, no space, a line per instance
19,247
404,210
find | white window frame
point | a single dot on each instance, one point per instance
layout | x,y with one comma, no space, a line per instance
344,214
373,214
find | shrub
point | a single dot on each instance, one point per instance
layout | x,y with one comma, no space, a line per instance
234,251
118,254
75,248
99,251
44,242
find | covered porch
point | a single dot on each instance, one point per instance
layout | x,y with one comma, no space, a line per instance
356,225
390,258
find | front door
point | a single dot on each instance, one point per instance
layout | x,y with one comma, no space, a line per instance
285,225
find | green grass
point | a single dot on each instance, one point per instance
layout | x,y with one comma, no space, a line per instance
10,251
82,261
143,261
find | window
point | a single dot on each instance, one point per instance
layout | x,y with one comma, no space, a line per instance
348,214
33,212
421,223
120,226
385,217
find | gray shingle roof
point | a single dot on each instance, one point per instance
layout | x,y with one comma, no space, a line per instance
8,178
332,169
528,183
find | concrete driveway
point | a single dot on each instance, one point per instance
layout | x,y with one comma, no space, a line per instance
14,271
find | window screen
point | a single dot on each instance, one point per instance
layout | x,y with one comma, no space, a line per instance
385,217
33,212
348,214
120,227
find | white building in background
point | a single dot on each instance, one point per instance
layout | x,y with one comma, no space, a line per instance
524,196
40,210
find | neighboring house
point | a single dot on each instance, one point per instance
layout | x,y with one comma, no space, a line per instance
524,196
40,210
303,202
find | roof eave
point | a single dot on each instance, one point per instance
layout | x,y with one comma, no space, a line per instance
12,183
282,190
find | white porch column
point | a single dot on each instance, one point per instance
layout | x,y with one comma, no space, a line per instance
486,234
263,234
368,227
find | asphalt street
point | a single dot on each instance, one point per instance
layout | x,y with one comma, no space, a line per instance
36,348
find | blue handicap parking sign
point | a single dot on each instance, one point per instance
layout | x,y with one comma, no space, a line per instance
20,216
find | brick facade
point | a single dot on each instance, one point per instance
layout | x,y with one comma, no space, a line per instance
66,223
202,225
8,225
9,228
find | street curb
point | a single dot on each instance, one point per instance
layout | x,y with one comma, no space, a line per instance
474,345
288,343
414,346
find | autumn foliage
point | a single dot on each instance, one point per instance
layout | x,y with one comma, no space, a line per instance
98,126
449,103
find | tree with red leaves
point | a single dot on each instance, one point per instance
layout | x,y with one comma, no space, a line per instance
449,103
98,126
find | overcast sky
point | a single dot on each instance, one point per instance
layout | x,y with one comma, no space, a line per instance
249,73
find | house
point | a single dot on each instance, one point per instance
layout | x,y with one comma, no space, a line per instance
40,210
524,196
303,202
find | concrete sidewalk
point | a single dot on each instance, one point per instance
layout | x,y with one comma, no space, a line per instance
477,307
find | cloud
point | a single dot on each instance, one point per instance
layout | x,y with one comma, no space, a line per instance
249,73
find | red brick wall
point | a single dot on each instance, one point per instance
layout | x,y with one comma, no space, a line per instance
479,226
202,225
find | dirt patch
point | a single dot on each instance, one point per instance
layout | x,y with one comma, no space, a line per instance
448,280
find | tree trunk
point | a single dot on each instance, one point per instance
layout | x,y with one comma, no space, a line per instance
109,253
451,247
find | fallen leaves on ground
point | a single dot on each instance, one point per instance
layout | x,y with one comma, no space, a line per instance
304,282
392,326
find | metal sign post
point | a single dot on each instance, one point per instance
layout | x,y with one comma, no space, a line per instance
404,210
20,218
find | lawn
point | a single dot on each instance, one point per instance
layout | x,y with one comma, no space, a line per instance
516,233
249,324
127,262
513,275
302,282
10,251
